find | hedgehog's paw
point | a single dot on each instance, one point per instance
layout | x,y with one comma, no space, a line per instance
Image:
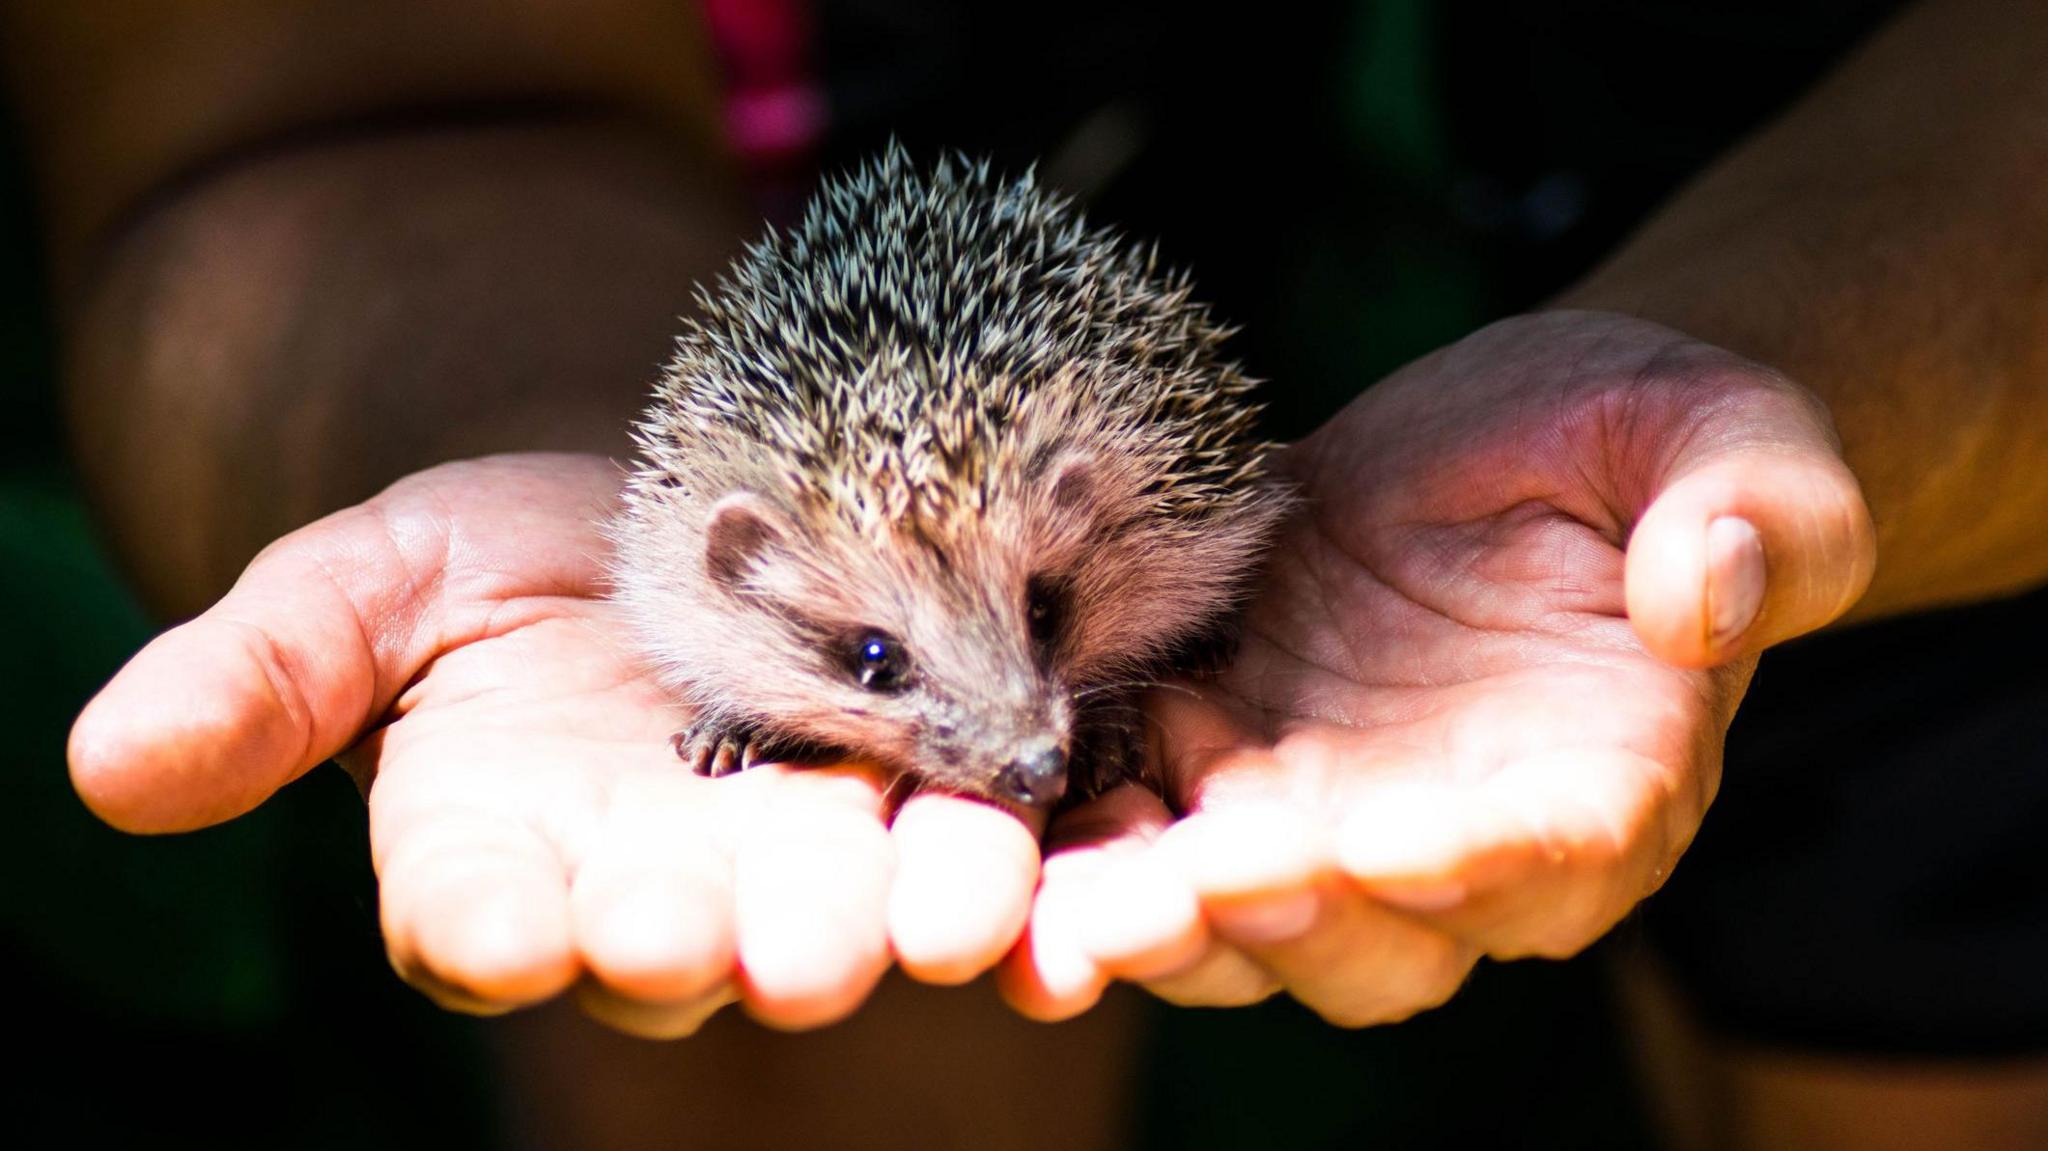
715,749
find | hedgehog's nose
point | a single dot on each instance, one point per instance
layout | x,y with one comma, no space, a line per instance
1037,778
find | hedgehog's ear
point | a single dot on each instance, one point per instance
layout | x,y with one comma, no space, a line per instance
1072,483
745,532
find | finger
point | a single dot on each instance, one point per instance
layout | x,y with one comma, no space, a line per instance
1192,966
1050,974
652,1020
316,639
475,913
1359,963
1241,883
1542,859
1222,976
1758,533
1047,976
1138,919
652,902
1257,869
1266,888
212,717
1141,921
811,890
965,873
1355,962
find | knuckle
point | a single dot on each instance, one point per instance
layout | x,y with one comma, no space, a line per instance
1442,974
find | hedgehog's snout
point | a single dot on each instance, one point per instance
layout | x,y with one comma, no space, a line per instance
1013,757
1036,777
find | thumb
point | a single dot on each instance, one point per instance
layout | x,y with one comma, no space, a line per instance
214,715
1757,532
325,629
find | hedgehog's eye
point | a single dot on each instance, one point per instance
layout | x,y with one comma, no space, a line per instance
1044,605
880,664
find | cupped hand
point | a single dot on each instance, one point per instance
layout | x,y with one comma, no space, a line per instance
1479,704
531,828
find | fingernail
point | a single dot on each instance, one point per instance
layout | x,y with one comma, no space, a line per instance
1735,578
1267,920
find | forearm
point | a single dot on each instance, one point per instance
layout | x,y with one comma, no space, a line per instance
291,333
300,250
1886,244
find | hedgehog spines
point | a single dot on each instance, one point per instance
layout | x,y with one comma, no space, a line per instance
903,330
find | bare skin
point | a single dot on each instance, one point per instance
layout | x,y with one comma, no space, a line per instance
1458,725
383,239
1466,573
1491,548
529,822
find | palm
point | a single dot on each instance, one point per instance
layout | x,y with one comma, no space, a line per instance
531,685
530,741
531,826
1377,665
1450,606
1443,734
1443,626
540,710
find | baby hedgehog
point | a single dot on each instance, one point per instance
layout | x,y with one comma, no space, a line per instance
940,479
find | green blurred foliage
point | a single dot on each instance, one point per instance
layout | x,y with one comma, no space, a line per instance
177,929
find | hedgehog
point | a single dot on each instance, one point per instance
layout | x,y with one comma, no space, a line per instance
941,478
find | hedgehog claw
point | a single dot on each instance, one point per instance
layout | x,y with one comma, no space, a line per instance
714,752
725,760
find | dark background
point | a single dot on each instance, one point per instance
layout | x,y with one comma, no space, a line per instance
1353,183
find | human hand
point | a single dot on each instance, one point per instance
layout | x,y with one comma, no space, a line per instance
530,826
1479,704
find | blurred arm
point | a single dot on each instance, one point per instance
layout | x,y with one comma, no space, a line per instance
1886,244
303,249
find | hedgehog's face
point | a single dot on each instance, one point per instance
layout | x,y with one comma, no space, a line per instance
940,652
965,651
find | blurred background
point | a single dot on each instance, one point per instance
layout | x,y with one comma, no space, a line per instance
1354,183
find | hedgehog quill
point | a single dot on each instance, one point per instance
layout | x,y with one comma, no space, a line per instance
942,477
